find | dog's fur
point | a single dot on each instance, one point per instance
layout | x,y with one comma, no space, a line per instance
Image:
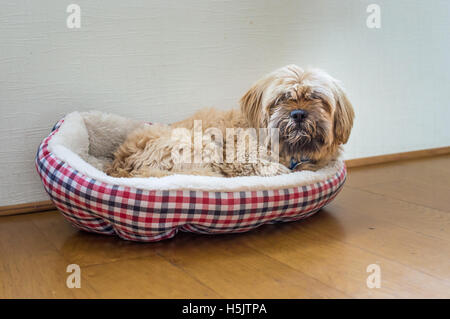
148,151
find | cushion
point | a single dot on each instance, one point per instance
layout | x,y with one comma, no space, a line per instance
70,163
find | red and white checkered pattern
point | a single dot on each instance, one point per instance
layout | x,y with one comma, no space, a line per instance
153,215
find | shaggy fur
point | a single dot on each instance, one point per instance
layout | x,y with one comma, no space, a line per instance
313,142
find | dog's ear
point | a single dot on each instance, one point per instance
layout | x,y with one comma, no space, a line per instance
343,116
251,105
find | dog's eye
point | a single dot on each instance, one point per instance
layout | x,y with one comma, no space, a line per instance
278,100
283,98
314,96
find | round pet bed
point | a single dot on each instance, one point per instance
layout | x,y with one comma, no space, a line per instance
70,162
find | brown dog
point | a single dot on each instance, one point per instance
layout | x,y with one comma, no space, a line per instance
308,108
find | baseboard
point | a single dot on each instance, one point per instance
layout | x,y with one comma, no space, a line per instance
358,162
27,208
371,160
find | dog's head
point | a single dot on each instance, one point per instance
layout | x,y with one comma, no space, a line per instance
309,108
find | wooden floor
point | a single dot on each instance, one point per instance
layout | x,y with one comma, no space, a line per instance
394,215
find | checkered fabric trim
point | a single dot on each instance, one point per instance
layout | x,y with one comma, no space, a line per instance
153,215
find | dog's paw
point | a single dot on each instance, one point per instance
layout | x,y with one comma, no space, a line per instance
272,169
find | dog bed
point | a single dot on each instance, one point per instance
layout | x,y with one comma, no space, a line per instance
70,163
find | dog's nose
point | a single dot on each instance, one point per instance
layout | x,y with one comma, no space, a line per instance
298,115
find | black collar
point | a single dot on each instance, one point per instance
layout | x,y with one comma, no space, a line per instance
294,163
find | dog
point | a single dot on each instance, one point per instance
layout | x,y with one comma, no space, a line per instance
308,108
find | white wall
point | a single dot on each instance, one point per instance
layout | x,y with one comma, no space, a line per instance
161,60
